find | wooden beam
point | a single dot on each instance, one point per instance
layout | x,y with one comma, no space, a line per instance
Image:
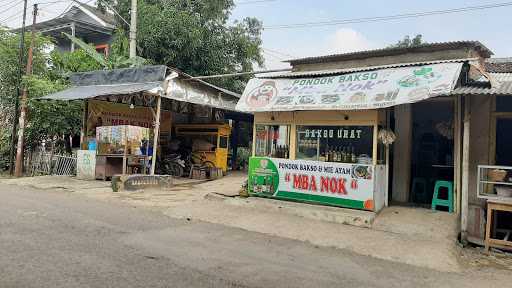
465,171
402,149
457,152
156,134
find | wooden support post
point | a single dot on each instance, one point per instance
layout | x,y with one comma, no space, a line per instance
402,149
83,131
465,171
125,160
156,134
234,144
457,152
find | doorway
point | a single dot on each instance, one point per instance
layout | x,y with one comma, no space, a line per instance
432,150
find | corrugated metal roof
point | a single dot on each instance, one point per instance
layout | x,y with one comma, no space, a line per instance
499,65
356,69
501,77
427,47
503,88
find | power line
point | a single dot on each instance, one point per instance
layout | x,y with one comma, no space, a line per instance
253,2
9,3
10,17
10,7
278,52
387,18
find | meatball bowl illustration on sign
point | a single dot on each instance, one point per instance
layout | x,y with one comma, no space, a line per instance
262,95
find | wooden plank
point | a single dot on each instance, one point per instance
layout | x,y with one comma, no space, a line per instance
465,171
488,228
457,153
402,153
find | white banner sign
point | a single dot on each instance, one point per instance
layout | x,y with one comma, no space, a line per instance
362,90
340,184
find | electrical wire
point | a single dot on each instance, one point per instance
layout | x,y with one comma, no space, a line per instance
279,53
253,2
9,3
388,18
12,16
10,7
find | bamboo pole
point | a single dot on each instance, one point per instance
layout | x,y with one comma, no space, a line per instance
156,134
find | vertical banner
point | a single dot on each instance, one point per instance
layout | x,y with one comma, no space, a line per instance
338,184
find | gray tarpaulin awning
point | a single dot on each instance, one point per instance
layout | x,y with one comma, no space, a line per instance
151,79
112,82
84,92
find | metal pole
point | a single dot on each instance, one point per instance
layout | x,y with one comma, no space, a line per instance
156,134
133,29
18,171
238,74
73,30
18,91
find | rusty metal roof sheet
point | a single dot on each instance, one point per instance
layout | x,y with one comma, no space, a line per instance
499,65
427,47
356,69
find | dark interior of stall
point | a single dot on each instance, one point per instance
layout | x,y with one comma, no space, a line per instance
432,158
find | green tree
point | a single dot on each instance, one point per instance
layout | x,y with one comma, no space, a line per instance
196,37
46,119
407,42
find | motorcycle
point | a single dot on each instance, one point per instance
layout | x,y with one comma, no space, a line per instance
172,165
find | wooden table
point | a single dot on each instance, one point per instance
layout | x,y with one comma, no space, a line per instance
492,206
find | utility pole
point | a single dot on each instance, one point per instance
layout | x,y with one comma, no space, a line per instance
18,90
18,172
133,29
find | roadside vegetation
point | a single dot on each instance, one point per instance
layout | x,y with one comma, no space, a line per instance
193,36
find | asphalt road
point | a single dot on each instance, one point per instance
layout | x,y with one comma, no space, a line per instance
59,239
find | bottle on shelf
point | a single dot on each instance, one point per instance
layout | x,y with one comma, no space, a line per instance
344,155
354,157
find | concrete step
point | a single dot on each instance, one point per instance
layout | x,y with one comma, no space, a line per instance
338,215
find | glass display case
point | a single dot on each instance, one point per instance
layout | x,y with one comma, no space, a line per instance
494,182
343,144
114,140
272,141
122,149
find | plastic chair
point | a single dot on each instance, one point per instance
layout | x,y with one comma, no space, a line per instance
416,183
436,201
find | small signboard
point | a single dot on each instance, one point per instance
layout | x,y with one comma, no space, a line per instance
85,164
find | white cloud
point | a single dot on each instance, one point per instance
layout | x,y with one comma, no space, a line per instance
342,40
347,40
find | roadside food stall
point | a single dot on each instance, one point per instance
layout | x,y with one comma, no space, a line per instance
324,138
129,116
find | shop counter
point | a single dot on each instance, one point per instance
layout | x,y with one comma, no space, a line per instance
350,185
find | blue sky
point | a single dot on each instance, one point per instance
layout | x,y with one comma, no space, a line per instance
491,27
